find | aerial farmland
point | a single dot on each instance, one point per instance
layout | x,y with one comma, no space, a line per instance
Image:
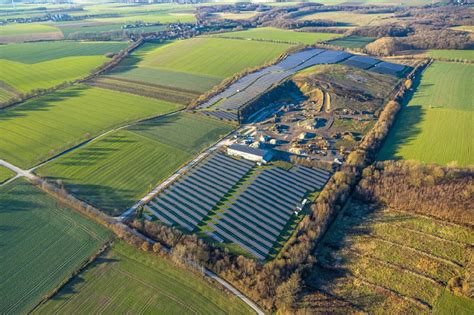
236,158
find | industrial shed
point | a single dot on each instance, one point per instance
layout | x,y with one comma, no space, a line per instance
248,153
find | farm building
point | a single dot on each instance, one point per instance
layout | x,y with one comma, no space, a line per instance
248,153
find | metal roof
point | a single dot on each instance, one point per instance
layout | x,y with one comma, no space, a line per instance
249,150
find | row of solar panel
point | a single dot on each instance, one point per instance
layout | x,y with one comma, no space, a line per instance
244,82
259,214
250,86
222,115
190,199
275,74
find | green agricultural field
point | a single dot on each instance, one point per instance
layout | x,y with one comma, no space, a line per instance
32,53
280,35
196,64
43,65
163,18
27,77
213,56
166,78
116,171
436,125
5,174
452,54
43,244
13,32
352,41
137,282
71,30
40,128
14,29
353,19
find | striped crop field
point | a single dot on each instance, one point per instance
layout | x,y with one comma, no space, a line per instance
136,282
197,64
280,35
43,244
31,53
43,65
117,170
38,129
436,125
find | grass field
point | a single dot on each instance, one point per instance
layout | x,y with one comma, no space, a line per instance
237,16
448,303
5,174
136,282
464,28
68,30
42,65
43,243
280,35
452,54
32,53
213,56
353,19
15,32
116,171
41,128
436,125
352,41
152,18
18,29
196,64
385,261
27,77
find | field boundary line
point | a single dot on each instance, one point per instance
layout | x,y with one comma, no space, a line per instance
398,267
172,297
432,235
416,301
447,261
340,298
101,135
438,220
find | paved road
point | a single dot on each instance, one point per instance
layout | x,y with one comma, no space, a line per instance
236,292
19,172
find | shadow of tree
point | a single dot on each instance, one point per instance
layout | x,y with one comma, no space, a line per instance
407,124
72,287
332,258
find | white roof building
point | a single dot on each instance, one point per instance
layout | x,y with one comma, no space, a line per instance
248,153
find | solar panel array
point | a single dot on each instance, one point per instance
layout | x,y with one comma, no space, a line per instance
222,115
362,62
252,85
187,201
388,68
259,214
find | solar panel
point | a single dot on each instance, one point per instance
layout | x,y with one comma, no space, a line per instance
236,240
248,216
253,227
276,221
184,211
244,234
